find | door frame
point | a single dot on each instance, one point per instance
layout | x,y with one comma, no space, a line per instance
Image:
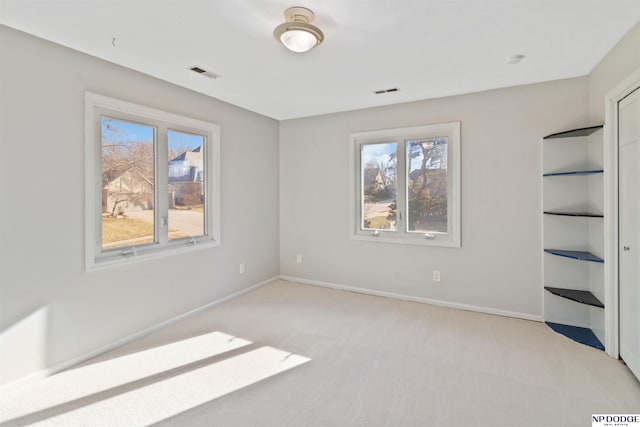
611,220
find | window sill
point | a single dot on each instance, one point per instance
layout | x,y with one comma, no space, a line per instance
445,241
106,262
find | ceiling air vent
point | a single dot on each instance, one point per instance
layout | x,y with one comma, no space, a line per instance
380,92
204,72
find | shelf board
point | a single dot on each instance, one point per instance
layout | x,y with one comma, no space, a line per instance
581,214
579,255
574,132
583,297
580,172
582,335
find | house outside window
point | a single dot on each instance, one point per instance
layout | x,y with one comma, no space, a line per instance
152,182
406,185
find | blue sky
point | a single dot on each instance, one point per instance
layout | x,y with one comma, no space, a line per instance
180,139
377,152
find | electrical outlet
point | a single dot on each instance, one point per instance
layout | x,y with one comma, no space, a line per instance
299,259
436,275
242,269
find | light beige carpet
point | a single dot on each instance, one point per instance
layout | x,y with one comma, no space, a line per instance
295,355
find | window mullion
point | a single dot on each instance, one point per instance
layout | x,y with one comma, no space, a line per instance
161,166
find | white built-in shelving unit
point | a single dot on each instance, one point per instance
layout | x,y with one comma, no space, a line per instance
573,234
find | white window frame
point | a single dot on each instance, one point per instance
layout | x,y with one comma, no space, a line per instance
400,135
98,106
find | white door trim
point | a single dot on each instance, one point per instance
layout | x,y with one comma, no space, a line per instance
611,285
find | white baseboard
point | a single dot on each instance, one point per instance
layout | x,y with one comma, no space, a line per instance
43,373
468,307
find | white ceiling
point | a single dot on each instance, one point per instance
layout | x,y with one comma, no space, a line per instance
427,49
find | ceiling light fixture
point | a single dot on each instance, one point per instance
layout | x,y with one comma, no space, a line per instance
297,34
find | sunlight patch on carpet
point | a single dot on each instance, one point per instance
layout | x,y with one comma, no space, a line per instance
153,403
75,384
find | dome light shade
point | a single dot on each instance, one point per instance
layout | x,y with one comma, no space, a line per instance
298,40
297,34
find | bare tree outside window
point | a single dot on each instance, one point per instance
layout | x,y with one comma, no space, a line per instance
379,185
127,183
427,185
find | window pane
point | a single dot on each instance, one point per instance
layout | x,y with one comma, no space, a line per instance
127,183
186,185
427,185
378,182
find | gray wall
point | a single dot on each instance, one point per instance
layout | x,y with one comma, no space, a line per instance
500,262
51,310
619,63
